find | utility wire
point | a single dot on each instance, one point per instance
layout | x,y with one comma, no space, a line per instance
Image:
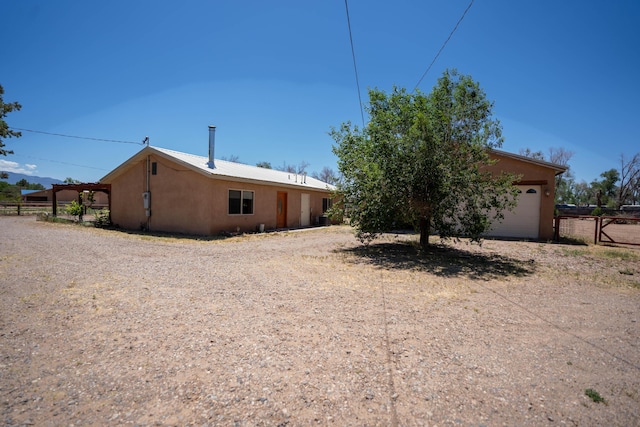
57,161
353,55
443,45
80,137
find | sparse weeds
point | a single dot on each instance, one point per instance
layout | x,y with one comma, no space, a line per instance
602,253
595,396
621,254
575,252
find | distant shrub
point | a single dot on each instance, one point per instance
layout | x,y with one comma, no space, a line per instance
102,218
597,211
75,209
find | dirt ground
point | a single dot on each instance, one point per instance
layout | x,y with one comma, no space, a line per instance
101,327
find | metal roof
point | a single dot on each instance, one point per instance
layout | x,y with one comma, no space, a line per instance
225,170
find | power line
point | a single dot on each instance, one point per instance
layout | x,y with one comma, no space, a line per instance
57,161
80,137
353,55
443,45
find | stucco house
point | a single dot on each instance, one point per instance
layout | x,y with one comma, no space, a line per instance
533,216
159,189
165,190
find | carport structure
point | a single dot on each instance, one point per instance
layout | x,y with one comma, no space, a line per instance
80,188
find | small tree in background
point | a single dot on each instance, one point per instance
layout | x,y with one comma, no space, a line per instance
605,189
629,180
300,169
326,175
75,209
422,159
5,132
565,182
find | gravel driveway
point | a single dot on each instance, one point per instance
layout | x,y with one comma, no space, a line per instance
103,327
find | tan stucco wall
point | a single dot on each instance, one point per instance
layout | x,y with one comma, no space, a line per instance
185,201
534,174
66,196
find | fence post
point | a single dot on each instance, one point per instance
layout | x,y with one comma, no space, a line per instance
596,234
556,232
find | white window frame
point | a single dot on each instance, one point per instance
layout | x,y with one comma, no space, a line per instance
242,198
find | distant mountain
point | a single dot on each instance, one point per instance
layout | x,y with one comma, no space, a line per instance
47,182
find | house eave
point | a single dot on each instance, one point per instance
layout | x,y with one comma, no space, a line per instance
558,169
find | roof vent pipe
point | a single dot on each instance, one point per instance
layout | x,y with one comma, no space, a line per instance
212,146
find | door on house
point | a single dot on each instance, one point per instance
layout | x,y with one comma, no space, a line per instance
305,210
281,214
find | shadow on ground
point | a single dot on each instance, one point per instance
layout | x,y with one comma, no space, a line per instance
440,260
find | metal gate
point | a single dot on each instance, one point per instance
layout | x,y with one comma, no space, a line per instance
615,229
599,229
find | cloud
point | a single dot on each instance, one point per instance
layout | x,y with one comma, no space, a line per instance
27,169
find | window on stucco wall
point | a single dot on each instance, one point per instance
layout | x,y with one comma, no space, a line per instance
326,204
240,202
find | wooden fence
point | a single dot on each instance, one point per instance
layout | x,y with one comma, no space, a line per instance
26,208
34,208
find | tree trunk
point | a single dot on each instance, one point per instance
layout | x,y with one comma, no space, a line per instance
425,224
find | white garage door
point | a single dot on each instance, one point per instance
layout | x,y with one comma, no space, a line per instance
524,221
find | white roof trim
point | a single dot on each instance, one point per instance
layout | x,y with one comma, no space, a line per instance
229,171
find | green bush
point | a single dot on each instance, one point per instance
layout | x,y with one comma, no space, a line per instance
75,209
102,218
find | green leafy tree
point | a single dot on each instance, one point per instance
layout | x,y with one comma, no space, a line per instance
26,185
565,181
582,194
69,180
35,186
9,192
265,165
422,160
605,189
5,132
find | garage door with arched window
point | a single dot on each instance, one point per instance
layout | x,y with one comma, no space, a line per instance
524,221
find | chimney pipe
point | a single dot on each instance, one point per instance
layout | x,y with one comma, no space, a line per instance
212,146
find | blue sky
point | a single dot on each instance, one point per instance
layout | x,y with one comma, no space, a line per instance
274,77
